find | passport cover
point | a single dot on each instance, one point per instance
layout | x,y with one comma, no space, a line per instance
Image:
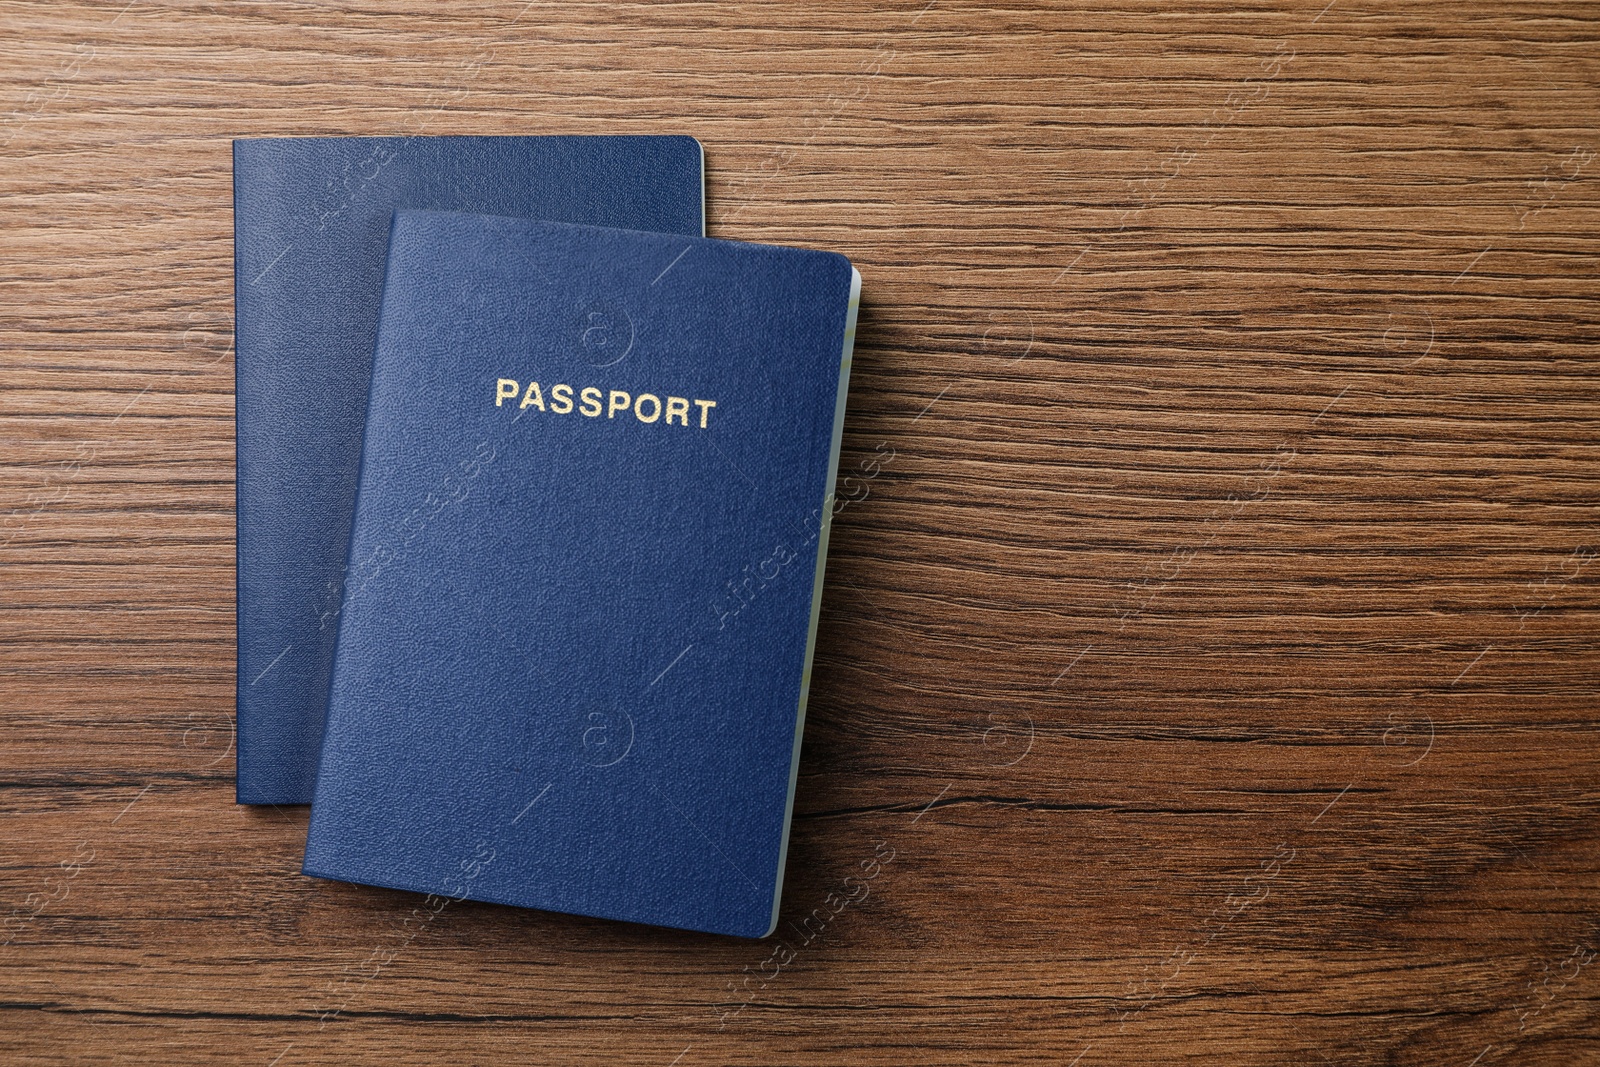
311,227
588,552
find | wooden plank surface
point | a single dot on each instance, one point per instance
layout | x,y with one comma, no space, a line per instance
1207,671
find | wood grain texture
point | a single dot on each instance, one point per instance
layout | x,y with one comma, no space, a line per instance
1210,635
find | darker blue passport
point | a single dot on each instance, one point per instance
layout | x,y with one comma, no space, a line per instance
586,564
311,226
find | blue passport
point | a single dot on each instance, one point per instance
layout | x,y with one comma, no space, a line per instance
311,227
585,570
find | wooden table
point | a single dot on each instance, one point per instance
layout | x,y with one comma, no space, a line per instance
1208,665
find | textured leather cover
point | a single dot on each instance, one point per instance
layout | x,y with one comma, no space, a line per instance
311,225
575,647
